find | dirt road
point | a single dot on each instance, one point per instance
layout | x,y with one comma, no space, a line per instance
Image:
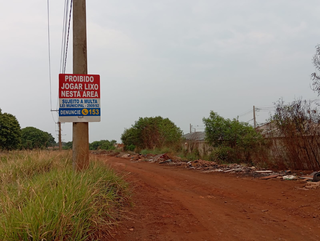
174,203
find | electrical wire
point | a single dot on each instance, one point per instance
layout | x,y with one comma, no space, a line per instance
64,45
68,34
266,108
246,113
49,56
65,35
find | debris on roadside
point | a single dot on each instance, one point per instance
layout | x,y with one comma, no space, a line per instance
316,176
264,171
164,162
312,185
269,177
201,165
312,180
290,177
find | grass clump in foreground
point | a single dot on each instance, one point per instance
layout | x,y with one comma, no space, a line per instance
42,198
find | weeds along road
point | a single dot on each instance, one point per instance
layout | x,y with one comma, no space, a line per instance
174,203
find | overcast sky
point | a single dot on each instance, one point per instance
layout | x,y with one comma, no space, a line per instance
178,59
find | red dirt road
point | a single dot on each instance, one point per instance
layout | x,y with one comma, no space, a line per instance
174,203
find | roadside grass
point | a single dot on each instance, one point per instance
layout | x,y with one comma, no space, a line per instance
42,198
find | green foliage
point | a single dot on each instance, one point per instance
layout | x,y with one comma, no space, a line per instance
221,132
102,145
32,137
130,137
10,132
224,154
194,155
67,145
131,147
53,202
152,132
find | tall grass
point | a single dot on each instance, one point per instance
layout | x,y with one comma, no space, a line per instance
42,198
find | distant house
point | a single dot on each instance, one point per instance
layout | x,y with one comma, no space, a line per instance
195,136
196,141
268,130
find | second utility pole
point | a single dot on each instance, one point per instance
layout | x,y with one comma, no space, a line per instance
80,148
254,117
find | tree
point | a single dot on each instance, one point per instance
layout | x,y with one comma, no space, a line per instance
315,78
10,132
34,138
67,145
103,145
236,140
151,132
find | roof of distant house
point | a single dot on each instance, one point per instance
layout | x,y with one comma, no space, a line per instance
195,136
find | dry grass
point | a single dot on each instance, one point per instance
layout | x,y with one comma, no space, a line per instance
42,198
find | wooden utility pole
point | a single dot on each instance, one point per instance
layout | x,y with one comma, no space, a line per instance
254,117
80,148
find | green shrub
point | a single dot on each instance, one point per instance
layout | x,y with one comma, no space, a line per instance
238,140
131,147
151,133
103,145
224,154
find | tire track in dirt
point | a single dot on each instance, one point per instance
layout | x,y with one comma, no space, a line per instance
173,203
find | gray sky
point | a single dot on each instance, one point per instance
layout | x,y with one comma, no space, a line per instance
177,59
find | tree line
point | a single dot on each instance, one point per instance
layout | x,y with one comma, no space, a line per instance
96,145
12,137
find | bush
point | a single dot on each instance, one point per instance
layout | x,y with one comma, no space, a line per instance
67,145
151,133
102,145
232,136
130,147
224,154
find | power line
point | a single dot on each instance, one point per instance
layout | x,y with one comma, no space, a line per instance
49,56
265,108
64,50
246,113
65,35
68,34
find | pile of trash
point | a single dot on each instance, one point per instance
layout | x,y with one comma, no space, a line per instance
312,180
